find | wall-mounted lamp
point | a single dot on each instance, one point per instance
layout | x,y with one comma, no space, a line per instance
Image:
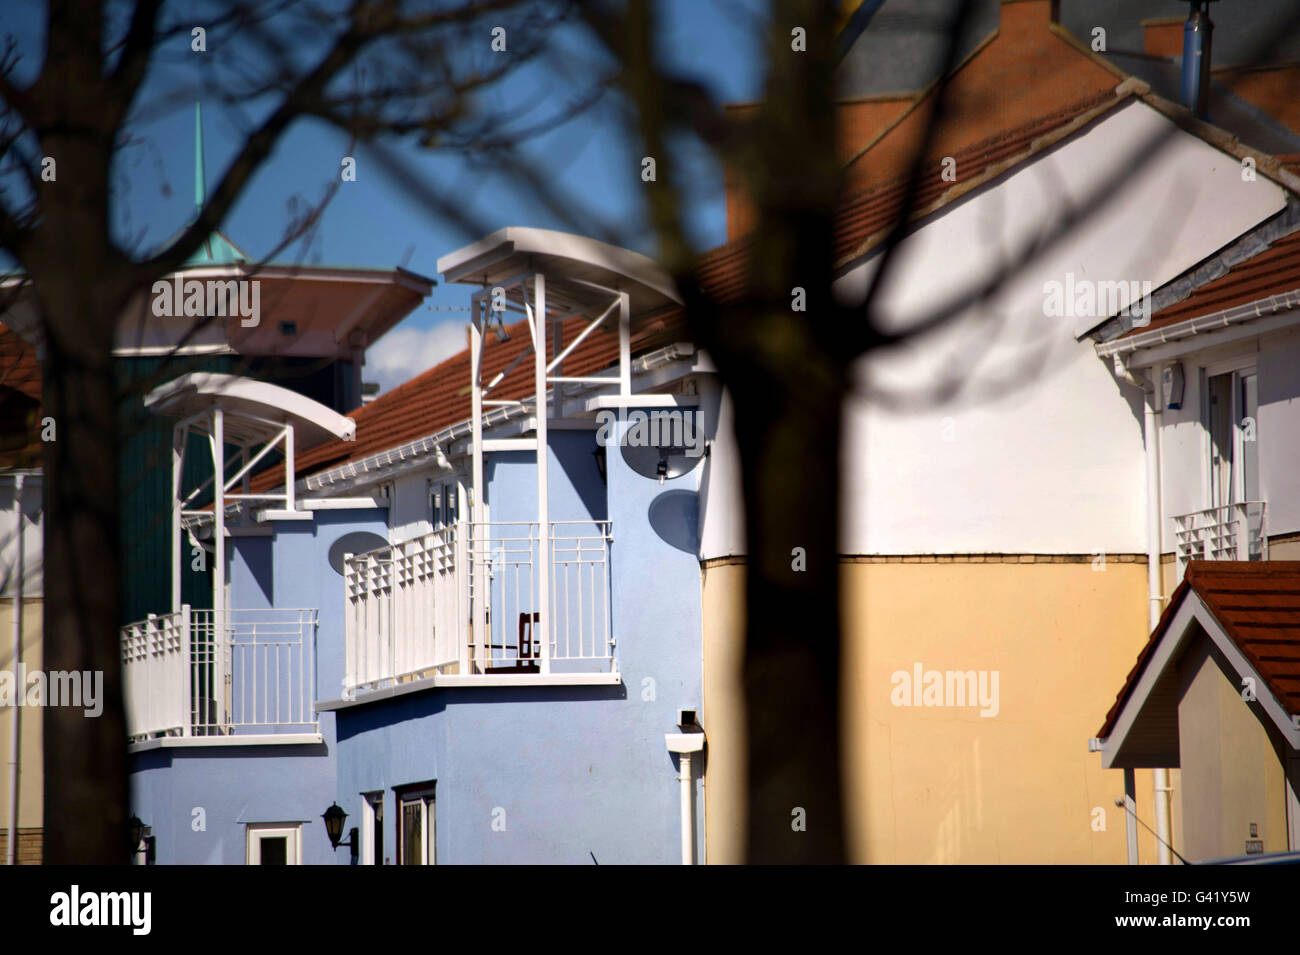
1171,385
334,818
599,455
134,834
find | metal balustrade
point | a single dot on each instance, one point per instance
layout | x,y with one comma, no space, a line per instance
464,600
220,673
1227,532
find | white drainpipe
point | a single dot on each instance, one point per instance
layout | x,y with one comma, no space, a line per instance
11,849
683,744
1155,582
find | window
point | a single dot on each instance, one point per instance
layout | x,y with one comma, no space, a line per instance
1232,413
444,504
416,825
1231,424
273,843
372,829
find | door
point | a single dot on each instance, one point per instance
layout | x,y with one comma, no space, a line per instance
1232,416
416,827
273,844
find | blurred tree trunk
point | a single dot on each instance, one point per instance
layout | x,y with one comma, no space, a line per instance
78,283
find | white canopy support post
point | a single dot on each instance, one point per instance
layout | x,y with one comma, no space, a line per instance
288,467
624,344
219,561
476,330
179,434
543,458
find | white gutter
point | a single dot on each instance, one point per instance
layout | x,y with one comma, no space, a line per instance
1155,583
1205,323
11,848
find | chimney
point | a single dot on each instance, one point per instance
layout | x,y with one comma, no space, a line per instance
1196,58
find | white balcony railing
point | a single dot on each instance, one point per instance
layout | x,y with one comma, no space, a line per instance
414,609
1228,532
219,673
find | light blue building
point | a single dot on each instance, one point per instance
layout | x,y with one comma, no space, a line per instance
477,659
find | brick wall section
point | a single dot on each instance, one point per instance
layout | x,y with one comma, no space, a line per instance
31,846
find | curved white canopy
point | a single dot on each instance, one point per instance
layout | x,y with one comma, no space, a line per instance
568,260
256,406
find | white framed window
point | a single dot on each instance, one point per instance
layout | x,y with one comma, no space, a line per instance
1231,416
416,825
444,503
372,829
273,843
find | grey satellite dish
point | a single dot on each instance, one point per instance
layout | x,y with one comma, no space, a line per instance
661,461
358,542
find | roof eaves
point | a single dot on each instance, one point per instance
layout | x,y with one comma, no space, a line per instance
1253,244
1221,139
1260,308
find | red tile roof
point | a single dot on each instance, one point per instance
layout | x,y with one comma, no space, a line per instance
20,402
18,367
1258,606
1023,71
1271,272
868,212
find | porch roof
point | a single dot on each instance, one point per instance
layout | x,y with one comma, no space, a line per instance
573,265
258,405
1251,612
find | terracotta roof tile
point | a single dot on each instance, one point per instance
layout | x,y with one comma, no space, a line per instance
1271,272
1258,606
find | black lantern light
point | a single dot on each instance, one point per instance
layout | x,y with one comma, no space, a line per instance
334,818
134,833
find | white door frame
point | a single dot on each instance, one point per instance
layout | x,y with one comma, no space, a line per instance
256,831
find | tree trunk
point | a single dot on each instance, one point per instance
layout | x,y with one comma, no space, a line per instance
789,441
85,803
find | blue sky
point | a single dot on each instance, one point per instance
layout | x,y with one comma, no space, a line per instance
373,222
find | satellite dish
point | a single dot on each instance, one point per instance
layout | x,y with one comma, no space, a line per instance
661,461
358,542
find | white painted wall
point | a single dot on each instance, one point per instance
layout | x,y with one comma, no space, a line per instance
1040,449
1278,433
1183,455
408,509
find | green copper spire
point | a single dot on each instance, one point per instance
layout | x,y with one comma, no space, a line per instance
200,178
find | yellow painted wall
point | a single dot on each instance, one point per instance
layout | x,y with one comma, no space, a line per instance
31,762
943,784
1230,762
